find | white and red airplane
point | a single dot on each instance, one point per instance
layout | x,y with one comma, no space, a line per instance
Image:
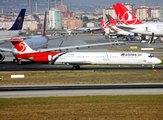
40,43
83,58
132,24
119,31
105,28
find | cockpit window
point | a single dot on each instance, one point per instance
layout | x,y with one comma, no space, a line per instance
151,55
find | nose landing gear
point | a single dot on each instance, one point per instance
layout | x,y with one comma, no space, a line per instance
76,67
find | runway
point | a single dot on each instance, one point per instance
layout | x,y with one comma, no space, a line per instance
28,66
80,90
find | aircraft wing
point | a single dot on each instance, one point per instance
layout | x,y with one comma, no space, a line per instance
5,49
77,46
50,38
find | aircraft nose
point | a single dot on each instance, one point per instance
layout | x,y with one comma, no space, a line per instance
157,61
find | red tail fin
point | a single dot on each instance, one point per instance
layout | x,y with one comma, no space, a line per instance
104,26
112,21
44,27
124,15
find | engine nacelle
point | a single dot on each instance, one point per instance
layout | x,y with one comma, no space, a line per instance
2,56
42,58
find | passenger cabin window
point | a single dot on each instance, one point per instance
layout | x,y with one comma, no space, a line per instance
151,55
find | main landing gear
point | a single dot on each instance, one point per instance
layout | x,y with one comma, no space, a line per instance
76,67
17,61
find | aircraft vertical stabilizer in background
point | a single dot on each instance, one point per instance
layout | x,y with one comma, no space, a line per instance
19,21
105,28
125,16
16,28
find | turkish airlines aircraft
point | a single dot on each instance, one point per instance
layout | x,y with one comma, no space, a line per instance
116,29
132,24
15,30
83,58
40,43
105,27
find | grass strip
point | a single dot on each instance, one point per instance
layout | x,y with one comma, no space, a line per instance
81,77
142,107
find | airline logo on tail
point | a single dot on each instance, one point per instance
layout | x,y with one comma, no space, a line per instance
124,15
21,46
127,18
19,21
104,26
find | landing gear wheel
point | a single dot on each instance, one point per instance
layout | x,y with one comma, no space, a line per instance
19,62
15,60
153,66
76,67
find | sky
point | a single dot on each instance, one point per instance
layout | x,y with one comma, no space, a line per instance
114,1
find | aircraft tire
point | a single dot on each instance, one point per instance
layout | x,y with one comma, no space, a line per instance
76,67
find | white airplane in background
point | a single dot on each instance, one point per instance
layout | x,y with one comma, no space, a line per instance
132,24
88,29
16,28
69,32
39,43
83,58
